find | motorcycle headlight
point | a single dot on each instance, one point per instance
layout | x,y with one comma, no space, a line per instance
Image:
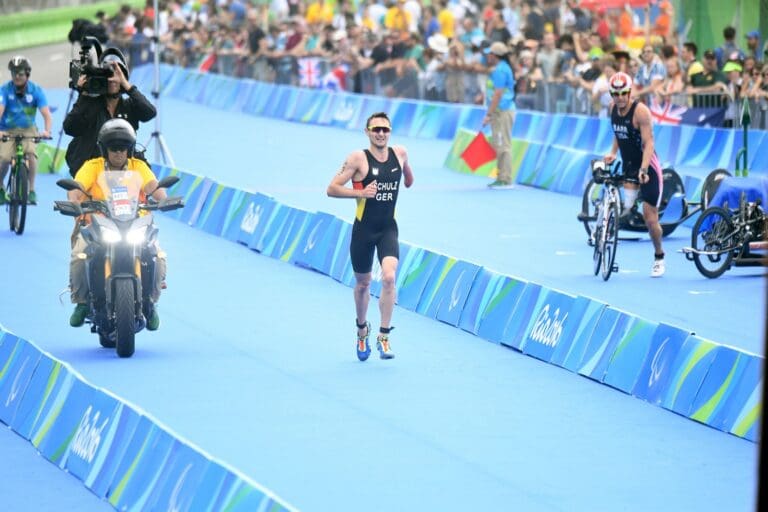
111,236
136,235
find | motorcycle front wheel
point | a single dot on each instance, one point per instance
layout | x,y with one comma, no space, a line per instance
125,318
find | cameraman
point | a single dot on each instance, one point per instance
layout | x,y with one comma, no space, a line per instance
19,101
90,112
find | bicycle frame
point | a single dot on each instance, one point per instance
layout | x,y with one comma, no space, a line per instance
18,182
606,235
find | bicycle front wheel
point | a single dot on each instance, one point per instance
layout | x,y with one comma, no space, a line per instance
19,190
713,239
589,202
610,240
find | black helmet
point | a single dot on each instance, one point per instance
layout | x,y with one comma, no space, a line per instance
116,133
111,55
19,62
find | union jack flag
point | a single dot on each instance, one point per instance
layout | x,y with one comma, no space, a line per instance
667,112
309,72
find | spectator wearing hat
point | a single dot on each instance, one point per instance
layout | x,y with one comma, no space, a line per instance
434,74
500,103
708,83
753,45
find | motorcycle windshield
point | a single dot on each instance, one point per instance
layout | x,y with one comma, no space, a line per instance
122,189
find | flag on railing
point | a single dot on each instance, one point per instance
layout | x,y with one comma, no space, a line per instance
669,113
207,63
478,153
335,79
309,72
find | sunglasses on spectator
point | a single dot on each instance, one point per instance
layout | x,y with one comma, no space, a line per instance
622,93
380,129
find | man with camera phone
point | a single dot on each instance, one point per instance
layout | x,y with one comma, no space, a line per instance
20,99
105,93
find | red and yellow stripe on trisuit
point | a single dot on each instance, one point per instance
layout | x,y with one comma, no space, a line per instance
358,185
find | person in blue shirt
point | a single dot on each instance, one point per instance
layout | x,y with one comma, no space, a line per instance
20,99
500,101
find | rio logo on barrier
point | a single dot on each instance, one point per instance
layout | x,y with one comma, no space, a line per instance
88,435
547,330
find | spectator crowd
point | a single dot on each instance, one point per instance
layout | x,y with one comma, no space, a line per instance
562,53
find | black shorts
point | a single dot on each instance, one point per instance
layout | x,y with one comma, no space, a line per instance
651,191
366,238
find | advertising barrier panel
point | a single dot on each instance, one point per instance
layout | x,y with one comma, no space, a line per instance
658,367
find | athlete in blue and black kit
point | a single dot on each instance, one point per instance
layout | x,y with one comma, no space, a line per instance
633,133
375,174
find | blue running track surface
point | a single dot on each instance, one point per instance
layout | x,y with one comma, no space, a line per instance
255,358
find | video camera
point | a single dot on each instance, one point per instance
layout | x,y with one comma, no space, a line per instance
97,75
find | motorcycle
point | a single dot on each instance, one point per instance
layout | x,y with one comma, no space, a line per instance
120,254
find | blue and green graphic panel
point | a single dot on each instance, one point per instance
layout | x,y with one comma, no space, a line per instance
308,102
435,120
452,295
402,116
501,297
370,105
48,379
213,486
261,96
18,360
240,496
220,92
282,102
722,395
54,436
188,85
236,212
550,167
747,402
314,249
140,468
552,322
104,466
416,269
690,368
658,367
447,288
258,224
215,209
179,479
340,261
93,436
526,173
627,359
586,313
340,110
258,209
607,336
520,316
289,234
591,338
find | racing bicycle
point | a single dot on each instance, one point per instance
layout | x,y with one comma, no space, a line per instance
17,186
605,232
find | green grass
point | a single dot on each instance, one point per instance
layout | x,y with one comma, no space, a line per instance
26,29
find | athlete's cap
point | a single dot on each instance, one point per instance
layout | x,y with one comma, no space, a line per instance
709,54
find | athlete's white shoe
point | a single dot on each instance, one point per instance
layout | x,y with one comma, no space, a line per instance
658,268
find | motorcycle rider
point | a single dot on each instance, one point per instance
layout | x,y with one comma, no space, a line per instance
116,141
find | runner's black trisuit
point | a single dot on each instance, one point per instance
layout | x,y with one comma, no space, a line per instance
375,226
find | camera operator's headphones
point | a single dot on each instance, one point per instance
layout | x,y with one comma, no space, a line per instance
111,55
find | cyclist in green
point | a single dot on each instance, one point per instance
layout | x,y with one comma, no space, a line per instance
20,99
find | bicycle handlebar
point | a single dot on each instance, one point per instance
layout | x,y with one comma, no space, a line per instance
19,138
